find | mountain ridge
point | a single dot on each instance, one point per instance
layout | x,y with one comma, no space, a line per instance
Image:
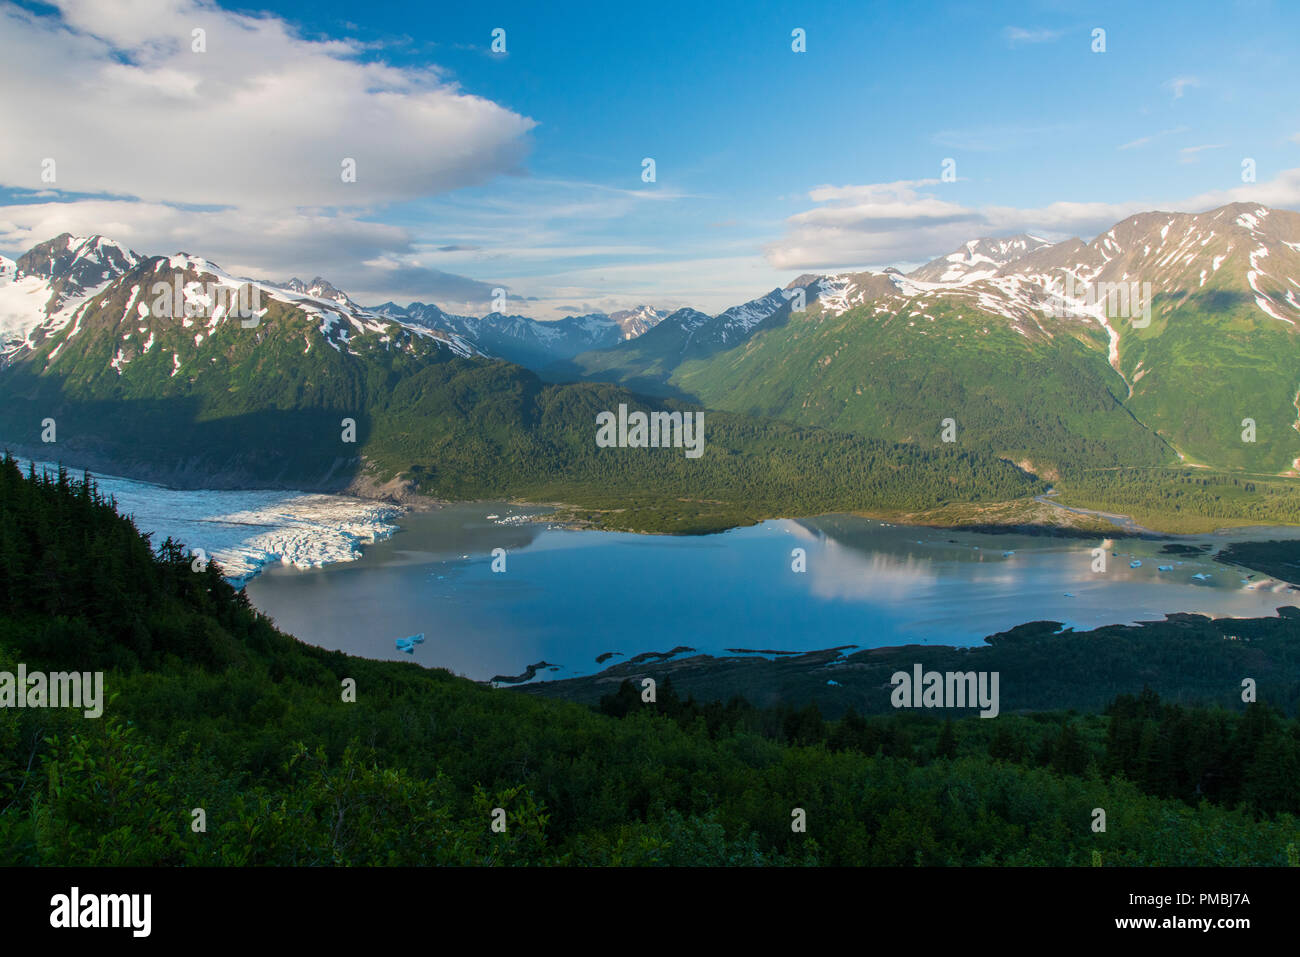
1015,345
1191,313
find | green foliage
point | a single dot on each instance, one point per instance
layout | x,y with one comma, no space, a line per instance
1181,499
1209,360
1053,401
211,708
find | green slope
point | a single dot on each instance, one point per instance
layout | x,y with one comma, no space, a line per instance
1207,363
900,355
210,707
1049,401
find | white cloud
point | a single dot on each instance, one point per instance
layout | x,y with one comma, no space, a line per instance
1188,153
370,261
1021,35
1144,140
709,284
1282,192
373,262
889,223
264,118
868,225
1180,83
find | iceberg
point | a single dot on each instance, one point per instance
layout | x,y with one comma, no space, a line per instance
408,644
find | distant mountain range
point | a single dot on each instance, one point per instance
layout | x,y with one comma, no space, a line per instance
167,368
1029,346
529,342
1021,342
40,291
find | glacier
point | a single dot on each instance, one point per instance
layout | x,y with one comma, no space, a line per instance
244,530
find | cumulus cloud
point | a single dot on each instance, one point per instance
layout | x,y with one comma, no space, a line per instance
265,118
889,223
370,261
876,223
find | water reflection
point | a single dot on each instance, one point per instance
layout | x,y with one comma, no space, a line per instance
567,596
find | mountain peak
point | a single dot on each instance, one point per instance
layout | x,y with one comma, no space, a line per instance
979,259
634,322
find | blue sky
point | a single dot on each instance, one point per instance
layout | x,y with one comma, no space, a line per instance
524,170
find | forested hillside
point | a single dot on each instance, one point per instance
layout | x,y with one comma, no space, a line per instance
270,414
1036,358
210,708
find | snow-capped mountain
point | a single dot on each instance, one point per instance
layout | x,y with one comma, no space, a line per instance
1193,319
181,373
48,282
1177,254
638,321
1163,319
132,305
41,291
692,331
319,288
736,323
979,259
519,339
646,361
1152,342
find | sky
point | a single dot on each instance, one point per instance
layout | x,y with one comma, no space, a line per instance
897,132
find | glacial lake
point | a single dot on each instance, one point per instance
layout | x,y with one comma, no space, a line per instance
567,596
